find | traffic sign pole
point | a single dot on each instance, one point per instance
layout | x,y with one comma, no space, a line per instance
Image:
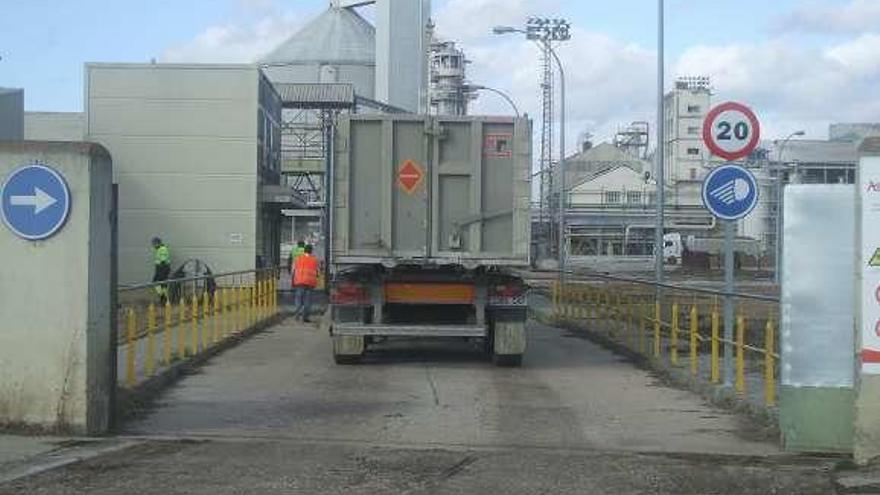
729,287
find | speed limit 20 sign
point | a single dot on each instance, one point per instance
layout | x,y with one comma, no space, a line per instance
731,131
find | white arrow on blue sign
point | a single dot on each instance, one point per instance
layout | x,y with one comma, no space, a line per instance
730,192
34,202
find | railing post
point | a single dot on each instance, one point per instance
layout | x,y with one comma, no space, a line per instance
150,358
216,317
657,328
716,348
769,364
673,340
554,291
618,314
275,294
252,309
695,330
206,316
740,354
194,326
130,351
166,334
181,329
644,314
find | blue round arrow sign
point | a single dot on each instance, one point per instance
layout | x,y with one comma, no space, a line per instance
34,202
730,192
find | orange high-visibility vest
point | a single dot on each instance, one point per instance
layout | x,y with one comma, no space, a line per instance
305,271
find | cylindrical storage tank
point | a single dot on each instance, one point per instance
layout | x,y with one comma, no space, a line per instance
339,46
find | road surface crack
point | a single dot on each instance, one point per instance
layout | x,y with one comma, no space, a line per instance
433,385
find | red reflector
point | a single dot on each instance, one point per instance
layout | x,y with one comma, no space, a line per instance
349,293
506,290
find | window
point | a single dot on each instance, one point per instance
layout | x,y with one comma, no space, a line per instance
693,174
693,108
693,151
652,198
612,197
692,130
633,197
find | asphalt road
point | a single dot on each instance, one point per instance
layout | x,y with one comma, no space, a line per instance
275,415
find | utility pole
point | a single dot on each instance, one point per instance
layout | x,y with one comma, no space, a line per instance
544,32
661,151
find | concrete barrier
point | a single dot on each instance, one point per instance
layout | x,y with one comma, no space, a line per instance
55,293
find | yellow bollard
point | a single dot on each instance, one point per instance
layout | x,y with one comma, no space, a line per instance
740,354
769,365
206,314
224,302
242,314
716,366
673,340
258,305
150,363
215,319
695,330
166,334
130,354
644,313
274,295
252,314
181,329
194,326
657,328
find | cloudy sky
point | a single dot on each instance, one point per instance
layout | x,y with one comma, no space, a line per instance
800,63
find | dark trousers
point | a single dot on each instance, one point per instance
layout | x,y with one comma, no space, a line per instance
302,301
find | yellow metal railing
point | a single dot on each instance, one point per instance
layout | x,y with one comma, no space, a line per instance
206,315
678,322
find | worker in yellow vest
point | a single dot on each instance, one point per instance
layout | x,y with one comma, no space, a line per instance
161,268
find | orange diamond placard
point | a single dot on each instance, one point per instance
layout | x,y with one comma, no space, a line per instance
410,176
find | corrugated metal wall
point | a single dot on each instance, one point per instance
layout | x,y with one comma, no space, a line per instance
184,142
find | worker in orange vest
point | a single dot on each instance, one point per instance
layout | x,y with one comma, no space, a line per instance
305,279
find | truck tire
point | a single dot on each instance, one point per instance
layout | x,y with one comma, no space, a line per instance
347,359
507,360
348,349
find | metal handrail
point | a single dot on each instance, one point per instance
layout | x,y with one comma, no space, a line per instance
150,285
713,292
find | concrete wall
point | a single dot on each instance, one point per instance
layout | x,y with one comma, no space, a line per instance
11,114
54,126
55,330
184,139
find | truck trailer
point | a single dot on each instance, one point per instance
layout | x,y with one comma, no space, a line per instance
430,220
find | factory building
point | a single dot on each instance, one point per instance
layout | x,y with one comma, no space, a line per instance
11,114
54,126
196,155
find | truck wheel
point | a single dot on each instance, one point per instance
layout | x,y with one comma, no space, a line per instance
507,360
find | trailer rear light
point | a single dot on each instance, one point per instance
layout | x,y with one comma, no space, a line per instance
511,294
349,293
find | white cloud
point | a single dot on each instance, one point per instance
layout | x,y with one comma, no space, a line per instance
856,16
238,42
470,20
790,83
609,83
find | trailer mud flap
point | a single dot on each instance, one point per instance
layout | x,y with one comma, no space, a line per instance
510,337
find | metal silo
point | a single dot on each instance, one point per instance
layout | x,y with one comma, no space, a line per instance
337,46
